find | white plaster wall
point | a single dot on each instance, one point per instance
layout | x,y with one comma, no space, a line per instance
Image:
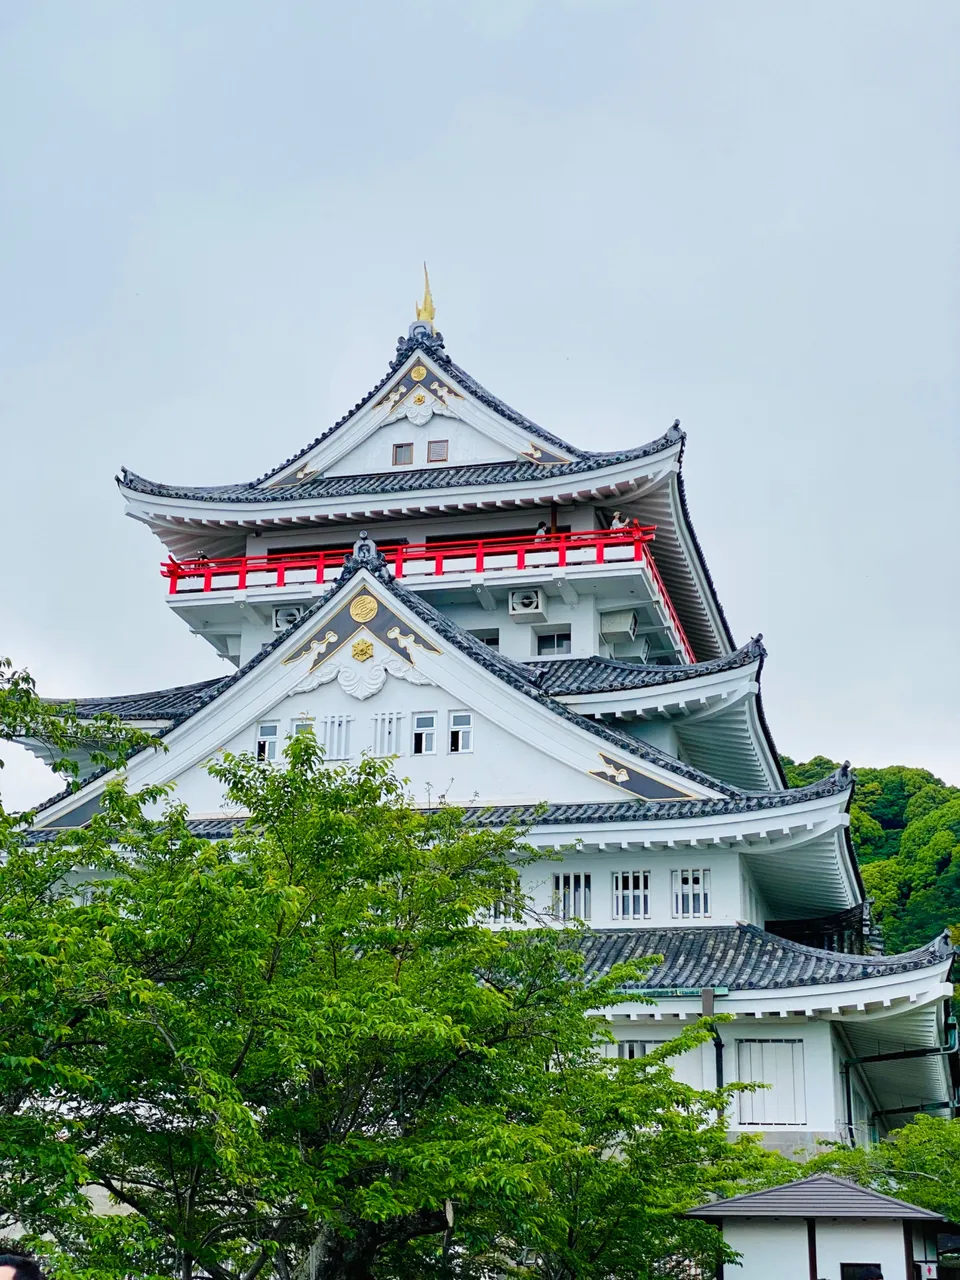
724,868
772,1248
860,1240
501,768
375,454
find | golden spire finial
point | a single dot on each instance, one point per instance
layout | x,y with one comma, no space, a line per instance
426,311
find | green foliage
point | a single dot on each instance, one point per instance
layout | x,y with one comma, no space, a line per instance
308,1034
905,828
917,1163
101,740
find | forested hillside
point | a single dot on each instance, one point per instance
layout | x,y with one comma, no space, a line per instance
906,830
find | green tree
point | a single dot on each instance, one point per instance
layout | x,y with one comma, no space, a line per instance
50,965
917,1163
309,1034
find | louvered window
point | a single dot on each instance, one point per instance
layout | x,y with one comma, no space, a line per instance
631,895
631,1049
333,732
691,893
779,1064
571,895
386,733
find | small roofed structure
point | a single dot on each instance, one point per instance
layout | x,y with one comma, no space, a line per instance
826,1228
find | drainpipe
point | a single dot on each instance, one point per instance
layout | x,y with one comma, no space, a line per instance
706,1011
848,1102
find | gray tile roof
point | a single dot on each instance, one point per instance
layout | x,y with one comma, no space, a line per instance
822,1196
567,676
602,811
480,473
159,704
743,957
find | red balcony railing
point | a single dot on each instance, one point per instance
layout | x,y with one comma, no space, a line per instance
431,560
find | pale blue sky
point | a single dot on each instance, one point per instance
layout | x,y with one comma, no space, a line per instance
744,215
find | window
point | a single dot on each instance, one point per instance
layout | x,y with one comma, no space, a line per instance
267,736
571,895
490,636
861,1270
550,643
779,1064
691,893
631,895
402,455
437,450
461,732
302,726
333,732
386,733
425,733
631,1049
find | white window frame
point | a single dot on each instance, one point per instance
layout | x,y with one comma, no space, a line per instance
631,889
268,736
779,1063
426,732
301,725
457,734
690,893
572,895
387,733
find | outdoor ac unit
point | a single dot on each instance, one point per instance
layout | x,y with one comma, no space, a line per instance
619,627
286,615
528,604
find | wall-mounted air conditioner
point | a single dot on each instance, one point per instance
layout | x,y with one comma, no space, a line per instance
285,615
528,604
619,627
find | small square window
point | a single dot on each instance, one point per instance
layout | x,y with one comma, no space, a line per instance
490,636
267,735
402,455
437,450
461,732
425,733
551,643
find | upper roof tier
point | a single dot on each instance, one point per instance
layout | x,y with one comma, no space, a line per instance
429,440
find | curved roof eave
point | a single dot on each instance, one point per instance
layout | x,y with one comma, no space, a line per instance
313,489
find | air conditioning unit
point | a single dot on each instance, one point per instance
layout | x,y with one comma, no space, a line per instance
285,615
619,627
528,604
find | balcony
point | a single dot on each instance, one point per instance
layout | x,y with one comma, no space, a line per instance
431,562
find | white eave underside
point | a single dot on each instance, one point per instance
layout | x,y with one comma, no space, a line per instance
797,855
715,717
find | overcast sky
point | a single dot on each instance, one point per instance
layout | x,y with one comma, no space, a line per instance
744,215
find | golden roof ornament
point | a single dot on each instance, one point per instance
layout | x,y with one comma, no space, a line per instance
426,311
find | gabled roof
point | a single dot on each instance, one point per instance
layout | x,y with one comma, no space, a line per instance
515,674
744,957
431,344
822,1196
519,471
